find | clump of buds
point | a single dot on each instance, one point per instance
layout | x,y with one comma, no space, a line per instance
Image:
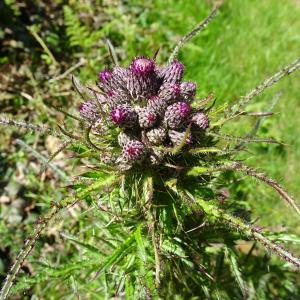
151,106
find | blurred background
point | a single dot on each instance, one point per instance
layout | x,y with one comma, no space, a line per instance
43,42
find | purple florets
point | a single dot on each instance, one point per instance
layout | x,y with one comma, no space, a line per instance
118,115
201,120
151,106
183,108
88,110
173,72
176,114
147,117
105,75
123,115
188,90
133,150
142,66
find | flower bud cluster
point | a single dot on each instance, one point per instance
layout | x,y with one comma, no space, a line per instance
152,107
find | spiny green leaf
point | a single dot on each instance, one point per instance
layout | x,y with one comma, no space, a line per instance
140,244
119,252
89,247
236,271
195,171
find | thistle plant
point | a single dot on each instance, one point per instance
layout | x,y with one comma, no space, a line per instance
156,152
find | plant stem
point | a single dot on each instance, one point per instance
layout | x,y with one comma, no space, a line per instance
235,110
249,231
26,249
29,126
192,33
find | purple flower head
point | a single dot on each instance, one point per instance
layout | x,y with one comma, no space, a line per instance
147,117
124,116
175,89
156,135
111,93
134,150
183,108
176,114
177,65
88,110
105,76
157,104
151,105
118,115
188,90
120,75
169,92
142,66
201,120
172,73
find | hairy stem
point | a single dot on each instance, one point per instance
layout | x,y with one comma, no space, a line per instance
25,251
244,139
243,101
272,183
59,150
237,166
259,121
249,231
192,33
29,126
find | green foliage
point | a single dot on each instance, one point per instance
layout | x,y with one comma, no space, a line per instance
144,236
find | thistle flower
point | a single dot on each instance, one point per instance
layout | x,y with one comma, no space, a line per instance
156,136
169,92
172,73
105,76
89,111
142,66
124,116
120,76
188,90
147,102
133,151
142,81
176,114
158,105
113,83
201,120
147,117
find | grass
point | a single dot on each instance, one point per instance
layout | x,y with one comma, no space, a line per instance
247,42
